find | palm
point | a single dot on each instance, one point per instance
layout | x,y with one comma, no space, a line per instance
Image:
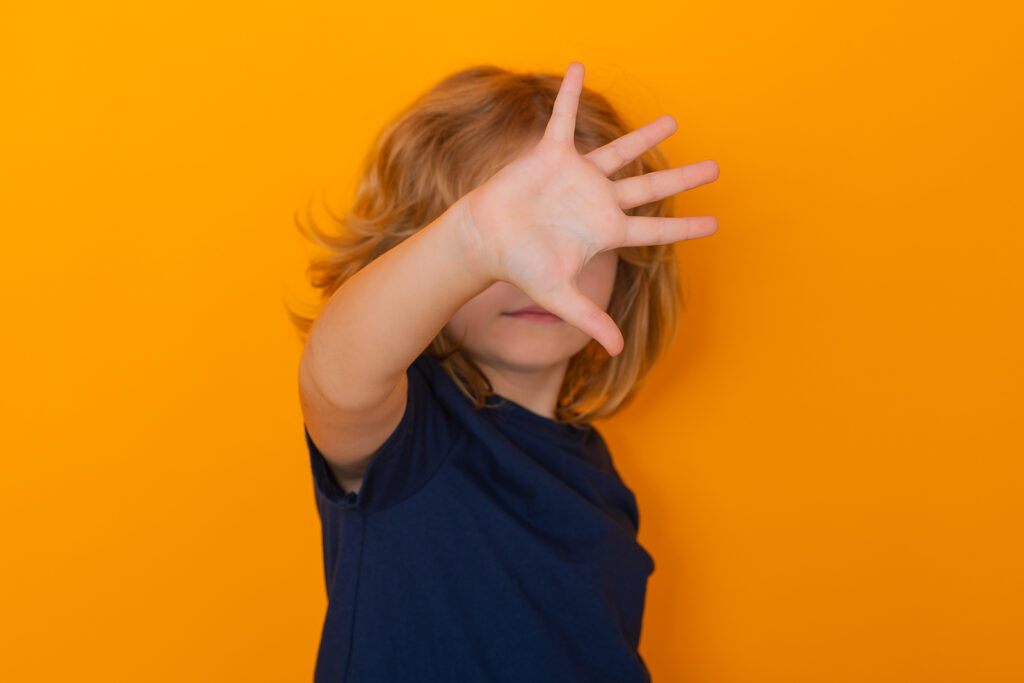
543,217
548,213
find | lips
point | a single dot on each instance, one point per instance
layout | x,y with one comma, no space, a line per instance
535,314
531,309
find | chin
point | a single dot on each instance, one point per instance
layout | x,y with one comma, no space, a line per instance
534,353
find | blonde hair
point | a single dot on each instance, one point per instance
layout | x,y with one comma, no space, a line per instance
452,139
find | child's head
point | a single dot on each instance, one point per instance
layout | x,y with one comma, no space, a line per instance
452,139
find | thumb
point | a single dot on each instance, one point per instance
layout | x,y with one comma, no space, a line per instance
579,310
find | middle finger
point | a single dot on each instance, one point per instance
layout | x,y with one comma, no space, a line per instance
620,151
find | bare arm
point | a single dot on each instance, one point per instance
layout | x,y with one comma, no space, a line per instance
352,372
534,224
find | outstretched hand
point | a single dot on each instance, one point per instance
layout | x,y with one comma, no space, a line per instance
539,220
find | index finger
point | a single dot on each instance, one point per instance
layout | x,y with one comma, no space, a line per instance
562,124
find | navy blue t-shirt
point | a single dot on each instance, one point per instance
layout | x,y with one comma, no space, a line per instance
489,544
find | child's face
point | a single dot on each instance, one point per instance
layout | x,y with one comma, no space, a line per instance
494,339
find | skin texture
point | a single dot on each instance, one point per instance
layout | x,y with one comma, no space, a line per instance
546,229
526,361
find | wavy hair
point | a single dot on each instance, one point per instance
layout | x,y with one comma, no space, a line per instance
450,140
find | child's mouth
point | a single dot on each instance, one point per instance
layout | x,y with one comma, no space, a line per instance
536,317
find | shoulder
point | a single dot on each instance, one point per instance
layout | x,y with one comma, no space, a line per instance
426,432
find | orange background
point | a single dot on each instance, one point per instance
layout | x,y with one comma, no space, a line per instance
828,464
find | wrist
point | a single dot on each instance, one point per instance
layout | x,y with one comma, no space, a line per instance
464,234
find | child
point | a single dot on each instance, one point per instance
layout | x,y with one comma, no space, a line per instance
474,527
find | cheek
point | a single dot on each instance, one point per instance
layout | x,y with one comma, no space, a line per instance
464,321
475,311
597,279
456,323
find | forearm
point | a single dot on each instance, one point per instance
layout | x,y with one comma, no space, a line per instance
384,316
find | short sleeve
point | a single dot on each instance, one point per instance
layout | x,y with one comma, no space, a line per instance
407,459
